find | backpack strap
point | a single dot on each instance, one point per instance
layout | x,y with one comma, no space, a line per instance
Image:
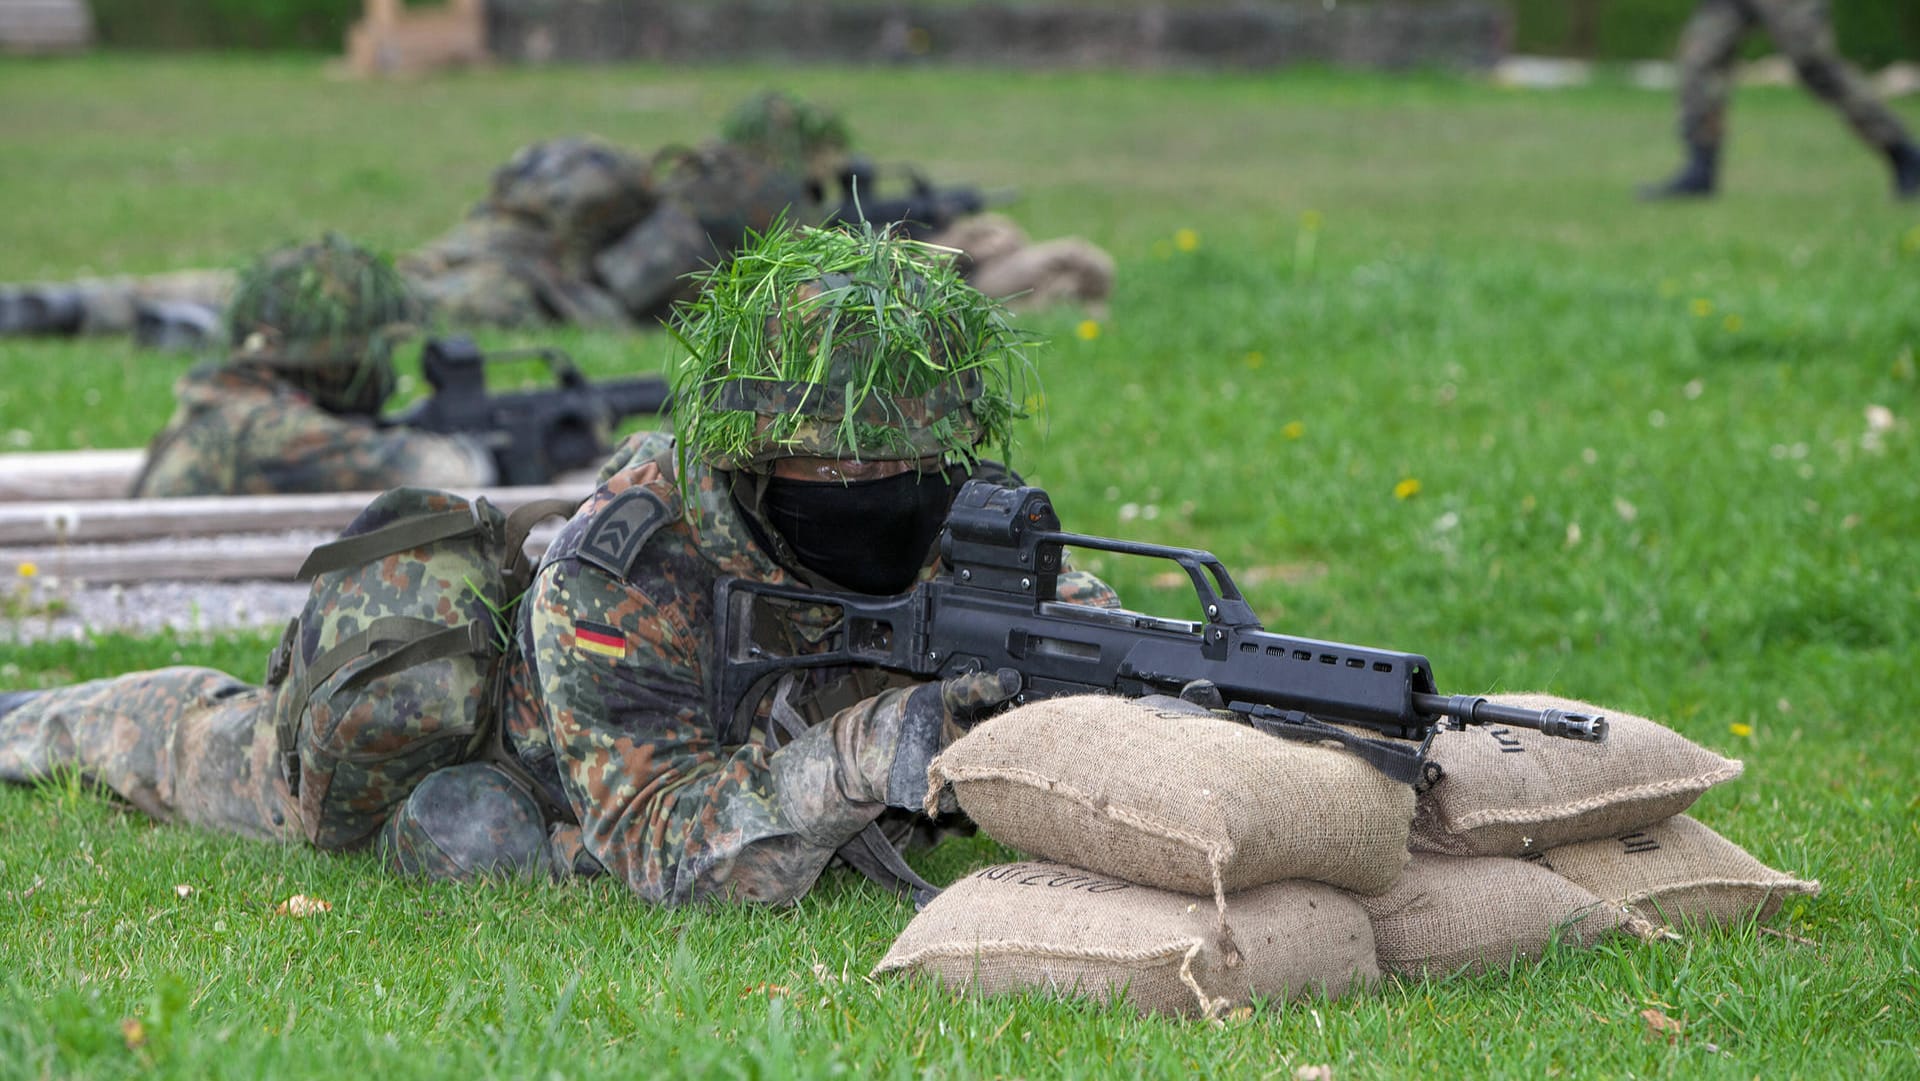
406,534
417,641
520,524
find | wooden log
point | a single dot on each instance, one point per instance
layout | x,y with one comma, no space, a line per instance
68,474
101,520
233,558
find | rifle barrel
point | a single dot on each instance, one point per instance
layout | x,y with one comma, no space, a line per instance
1472,709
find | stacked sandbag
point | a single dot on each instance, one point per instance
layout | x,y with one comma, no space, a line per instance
1510,791
1047,926
1595,831
1676,873
1470,914
1177,799
1193,860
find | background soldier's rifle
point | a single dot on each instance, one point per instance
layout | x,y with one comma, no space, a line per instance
534,435
993,606
922,211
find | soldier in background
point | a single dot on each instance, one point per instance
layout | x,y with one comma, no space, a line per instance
578,231
1801,29
293,407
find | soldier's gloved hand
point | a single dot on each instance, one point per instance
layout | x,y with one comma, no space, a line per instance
935,714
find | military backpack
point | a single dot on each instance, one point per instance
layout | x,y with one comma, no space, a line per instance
392,668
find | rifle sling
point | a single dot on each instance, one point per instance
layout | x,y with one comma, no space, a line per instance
1397,761
869,852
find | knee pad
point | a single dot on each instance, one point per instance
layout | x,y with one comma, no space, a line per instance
465,822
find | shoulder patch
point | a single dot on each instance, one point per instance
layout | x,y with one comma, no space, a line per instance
618,530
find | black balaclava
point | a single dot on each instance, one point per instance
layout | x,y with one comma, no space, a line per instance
871,536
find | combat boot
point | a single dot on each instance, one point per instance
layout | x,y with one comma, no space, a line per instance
1697,179
1906,170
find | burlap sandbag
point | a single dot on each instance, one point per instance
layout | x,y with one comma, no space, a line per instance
1050,927
1676,872
1185,802
1509,791
1469,914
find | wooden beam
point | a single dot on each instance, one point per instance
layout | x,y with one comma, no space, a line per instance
92,521
68,474
233,558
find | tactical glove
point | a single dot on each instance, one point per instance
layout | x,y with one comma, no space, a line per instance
933,716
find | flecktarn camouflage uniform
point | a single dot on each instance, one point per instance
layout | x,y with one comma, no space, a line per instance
1803,30
608,706
241,431
1709,47
292,408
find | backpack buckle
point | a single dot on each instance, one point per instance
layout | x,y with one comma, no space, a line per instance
280,661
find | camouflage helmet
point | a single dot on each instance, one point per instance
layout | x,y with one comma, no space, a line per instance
790,132
583,189
325,317
842,343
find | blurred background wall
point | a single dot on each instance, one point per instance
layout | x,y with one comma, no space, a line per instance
1872,32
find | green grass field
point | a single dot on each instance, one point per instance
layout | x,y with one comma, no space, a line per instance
1419,368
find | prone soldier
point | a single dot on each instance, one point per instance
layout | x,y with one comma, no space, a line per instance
838,389
578,231
293,407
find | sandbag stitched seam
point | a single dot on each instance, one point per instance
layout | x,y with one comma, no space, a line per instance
1143,957
1785,885
1216,854
1508,816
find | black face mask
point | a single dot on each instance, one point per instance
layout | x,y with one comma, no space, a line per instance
871,536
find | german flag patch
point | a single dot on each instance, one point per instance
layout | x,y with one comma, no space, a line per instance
599,639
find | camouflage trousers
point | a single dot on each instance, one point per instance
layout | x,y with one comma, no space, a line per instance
188,745
196,746
1802,29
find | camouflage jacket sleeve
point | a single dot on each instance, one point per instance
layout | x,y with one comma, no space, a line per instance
661,801
307,449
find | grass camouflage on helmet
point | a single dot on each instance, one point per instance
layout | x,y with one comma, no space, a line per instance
326,315
790,131
846,344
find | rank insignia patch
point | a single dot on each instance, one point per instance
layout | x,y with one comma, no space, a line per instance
599,639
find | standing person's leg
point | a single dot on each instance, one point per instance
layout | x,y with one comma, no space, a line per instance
192,745
1708,47
1803,30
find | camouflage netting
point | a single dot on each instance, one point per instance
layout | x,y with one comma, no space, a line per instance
325,316
846,344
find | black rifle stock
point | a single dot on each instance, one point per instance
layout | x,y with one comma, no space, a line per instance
924,210
533,435
994,606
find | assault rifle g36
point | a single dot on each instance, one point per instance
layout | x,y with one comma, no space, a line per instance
993,606
921,212
533,435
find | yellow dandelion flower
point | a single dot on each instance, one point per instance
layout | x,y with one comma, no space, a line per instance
1701,307
1294,429
1255,360
1186,239
1087,331
1911,242
1741,730
1309,220
1733,323
1407,488
27,570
